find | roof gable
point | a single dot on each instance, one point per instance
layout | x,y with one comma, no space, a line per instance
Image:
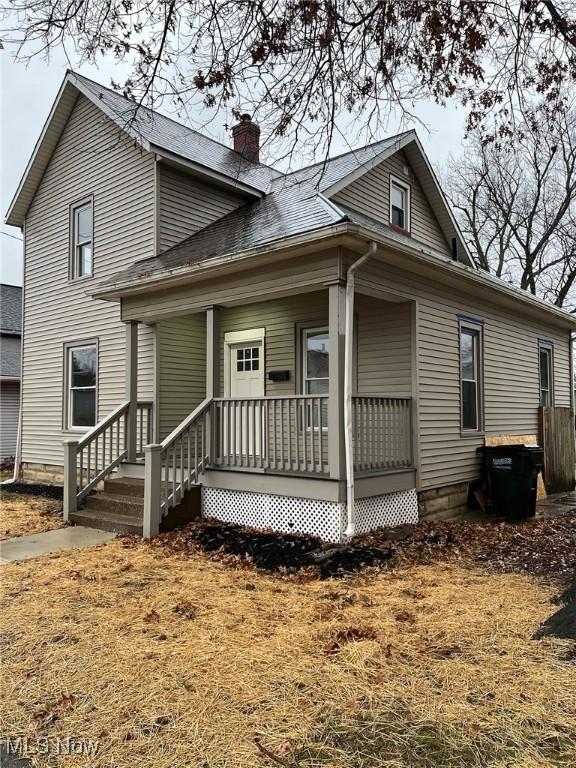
150,130
409,144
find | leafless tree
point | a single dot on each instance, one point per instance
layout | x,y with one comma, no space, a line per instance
516,202
300,65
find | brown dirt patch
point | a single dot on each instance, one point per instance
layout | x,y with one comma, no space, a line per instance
21,515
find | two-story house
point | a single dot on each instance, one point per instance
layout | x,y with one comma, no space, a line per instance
313,351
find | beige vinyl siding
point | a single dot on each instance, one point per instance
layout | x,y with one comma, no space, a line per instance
293,275
9,410
383,349
370,194
383,339
181,368
187,205
510,371
281,318
92,158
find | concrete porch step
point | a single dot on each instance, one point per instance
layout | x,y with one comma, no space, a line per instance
125,486
130,470
107,521
129,506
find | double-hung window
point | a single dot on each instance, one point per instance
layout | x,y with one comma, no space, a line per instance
399,204
546,362
81,378
81,222
315,364
471,377
315,373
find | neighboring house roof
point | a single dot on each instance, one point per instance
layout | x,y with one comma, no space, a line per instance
10,356
10,308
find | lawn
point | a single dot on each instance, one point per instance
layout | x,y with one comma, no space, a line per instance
176,661
21,514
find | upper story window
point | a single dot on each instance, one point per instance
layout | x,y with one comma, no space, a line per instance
546,362
399,203
471,376
81,374
81,221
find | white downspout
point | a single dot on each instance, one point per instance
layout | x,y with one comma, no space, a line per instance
348,385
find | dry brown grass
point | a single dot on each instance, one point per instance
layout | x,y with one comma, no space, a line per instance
181,663
21,515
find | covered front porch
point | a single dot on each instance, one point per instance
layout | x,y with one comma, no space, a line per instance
251,403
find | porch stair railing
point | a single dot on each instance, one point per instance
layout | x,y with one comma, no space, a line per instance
173,466
96,455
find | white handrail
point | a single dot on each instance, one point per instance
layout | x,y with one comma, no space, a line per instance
183,426
101,426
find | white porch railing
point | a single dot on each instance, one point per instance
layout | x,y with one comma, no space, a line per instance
279,434
91,459
382,432
275,434
173,466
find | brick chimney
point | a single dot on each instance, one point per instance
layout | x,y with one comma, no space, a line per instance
246,135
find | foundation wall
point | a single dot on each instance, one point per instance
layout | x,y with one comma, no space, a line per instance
440,503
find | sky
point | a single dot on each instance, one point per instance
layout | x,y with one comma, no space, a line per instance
26,97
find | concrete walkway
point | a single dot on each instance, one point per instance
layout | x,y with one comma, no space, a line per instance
38,544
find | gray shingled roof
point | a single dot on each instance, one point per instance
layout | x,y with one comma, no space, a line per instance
10,308
10,356
293,205
167,134
291,208
329,172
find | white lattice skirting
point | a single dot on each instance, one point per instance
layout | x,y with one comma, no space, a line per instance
326,519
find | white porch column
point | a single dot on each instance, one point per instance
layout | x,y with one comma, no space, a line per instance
336,331
212,371
131,388
212,351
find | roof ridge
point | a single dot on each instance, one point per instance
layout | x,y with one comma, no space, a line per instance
349,152
176,122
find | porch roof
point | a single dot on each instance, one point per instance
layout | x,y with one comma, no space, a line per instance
293,207
273,224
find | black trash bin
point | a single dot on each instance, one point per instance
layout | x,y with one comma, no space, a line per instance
512,474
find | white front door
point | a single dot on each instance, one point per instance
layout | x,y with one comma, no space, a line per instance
246,369
245,379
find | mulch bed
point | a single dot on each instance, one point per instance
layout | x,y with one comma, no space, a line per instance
269,551
35,489
563,622
541,547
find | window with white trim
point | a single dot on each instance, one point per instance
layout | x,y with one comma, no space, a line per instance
316,354
399,203
546,363
315,374
81,378
470,377
81,221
